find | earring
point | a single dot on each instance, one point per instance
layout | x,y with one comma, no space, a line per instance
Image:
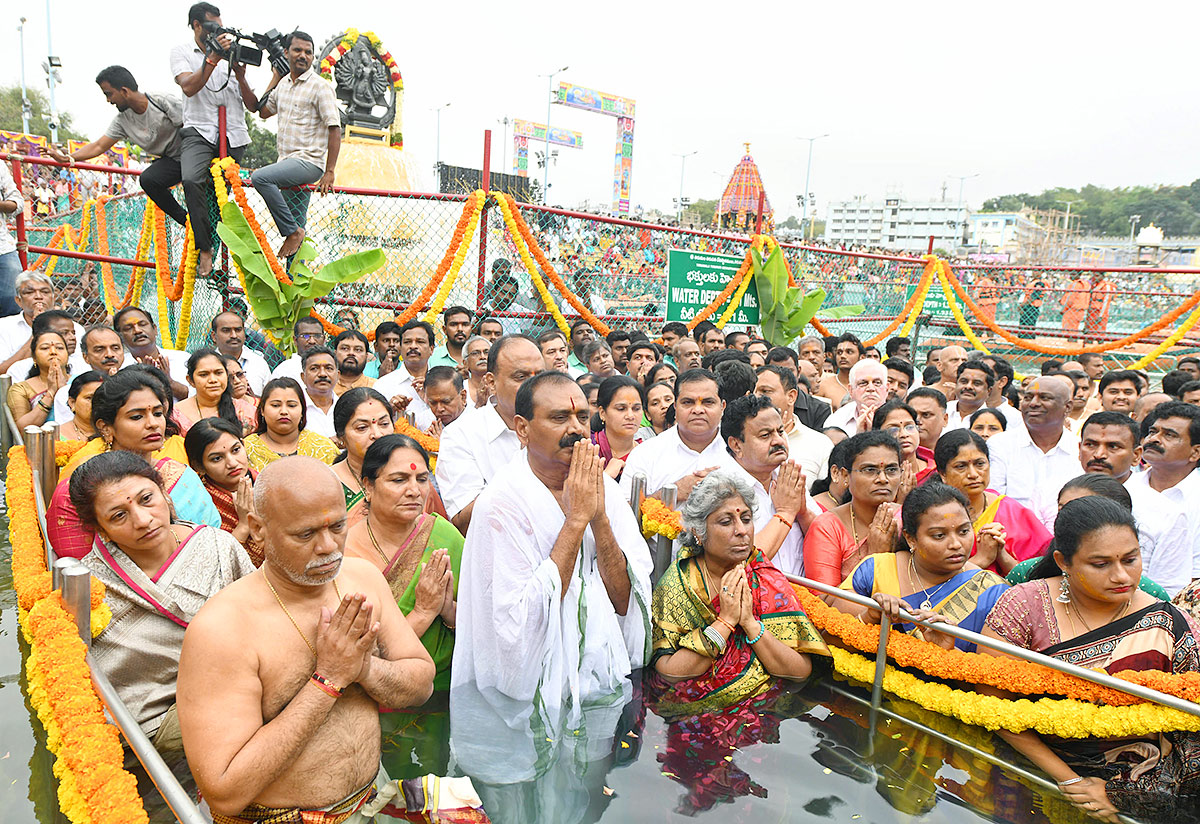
1064,590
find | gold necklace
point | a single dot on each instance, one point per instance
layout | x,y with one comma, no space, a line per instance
704,572
912,565
1090,628
374,542
303,637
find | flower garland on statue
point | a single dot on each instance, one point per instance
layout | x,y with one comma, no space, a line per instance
526,234
475,202
1162,323
1010,674
660,519
93,786
347,43
506,209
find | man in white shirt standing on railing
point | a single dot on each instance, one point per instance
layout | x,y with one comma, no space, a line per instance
205,89
11,205
309,139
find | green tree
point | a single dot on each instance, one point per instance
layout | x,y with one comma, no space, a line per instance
705,208
262,150
39,120
792,222
1106,212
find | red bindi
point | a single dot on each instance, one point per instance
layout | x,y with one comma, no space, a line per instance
413,467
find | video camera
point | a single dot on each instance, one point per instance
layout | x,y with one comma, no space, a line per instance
241,50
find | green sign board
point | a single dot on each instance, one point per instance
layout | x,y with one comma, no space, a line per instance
935,302
694,279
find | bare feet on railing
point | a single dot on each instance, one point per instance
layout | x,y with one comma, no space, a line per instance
204,263
291,244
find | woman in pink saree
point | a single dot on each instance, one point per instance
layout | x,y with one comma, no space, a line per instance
1013,533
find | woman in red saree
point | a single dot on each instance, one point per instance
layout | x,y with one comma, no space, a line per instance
726,622
218,455
1084,606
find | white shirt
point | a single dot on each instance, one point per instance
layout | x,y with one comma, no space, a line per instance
178,360
845,418
1163,535
519,635
473,449
62,412
15,331
1185,495
666,458
810,449
400,382
1029,476
256,369
789,558
290,368
318,419
956,421
200,110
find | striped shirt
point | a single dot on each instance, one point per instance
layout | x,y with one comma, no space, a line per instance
307,109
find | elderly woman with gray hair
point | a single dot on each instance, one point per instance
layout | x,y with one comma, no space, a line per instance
726,622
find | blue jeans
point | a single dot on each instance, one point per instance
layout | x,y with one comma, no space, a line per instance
10,267
291,211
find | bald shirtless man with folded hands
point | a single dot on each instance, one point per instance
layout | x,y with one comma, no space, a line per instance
282,673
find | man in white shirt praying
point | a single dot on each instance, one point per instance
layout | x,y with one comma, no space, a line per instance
1030,464
868,391
757,451
807,447
1171,449
408,379
689,450
1110,444
138,332
477,445
554,591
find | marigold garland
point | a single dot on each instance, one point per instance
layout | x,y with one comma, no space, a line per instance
539,254
93,786
1174,338
507,209
1062,717
912,309
1009,674
1160,324
734,302
477,200
660,519
229,168
347,43
742,273
957,312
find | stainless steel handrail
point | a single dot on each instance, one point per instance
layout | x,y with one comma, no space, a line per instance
10,434
1101,678
177,798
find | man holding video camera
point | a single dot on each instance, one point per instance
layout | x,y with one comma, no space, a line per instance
151,122
309,139
206,87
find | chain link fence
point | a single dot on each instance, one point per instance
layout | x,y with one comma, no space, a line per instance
619,269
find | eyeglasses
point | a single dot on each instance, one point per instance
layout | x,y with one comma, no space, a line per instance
311,336
891,471
908,428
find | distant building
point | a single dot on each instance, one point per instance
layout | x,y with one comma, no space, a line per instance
898,224
1010,233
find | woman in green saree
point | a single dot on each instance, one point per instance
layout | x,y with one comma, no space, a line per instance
726,622
418,552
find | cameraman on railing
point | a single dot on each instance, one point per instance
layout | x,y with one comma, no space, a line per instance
194,66
150,122
309,139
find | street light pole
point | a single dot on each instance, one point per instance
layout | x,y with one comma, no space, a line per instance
958,216
807,177
682,161
1067,222
546,159
438,161
25,106
51,60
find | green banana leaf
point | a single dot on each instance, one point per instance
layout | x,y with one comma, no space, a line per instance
277,306
784,310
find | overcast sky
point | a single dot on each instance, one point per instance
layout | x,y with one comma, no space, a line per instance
1028,95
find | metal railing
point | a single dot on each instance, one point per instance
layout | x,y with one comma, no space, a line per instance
75,581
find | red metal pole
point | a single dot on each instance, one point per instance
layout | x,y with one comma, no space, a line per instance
762,197
486,180
930,245
21,234
221,144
